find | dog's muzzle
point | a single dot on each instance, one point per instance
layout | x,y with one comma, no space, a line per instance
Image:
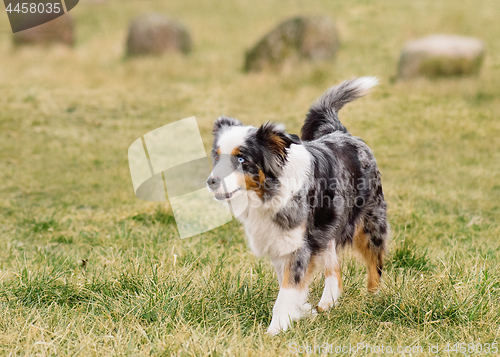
214,183
220,193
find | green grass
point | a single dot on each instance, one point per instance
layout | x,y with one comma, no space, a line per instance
87,269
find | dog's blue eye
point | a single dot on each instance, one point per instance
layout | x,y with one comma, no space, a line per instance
240,159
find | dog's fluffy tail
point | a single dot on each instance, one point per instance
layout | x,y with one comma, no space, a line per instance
322,118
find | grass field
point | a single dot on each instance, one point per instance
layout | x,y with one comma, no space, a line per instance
67,117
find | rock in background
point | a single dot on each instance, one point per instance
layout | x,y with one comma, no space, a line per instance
60,30
154,34
441,55
303,38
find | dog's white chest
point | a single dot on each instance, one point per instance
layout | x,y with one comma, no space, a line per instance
266,238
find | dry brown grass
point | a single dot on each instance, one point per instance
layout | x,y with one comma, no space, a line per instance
67,117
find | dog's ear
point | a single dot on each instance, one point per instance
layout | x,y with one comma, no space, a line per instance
223,121
274,138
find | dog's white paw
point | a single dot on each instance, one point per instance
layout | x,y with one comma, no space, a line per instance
281,322
278,325
324,306
273,331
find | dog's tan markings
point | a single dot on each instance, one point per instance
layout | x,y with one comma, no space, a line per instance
236,151
262,178
256,185
338,274
372,258
218,151
278,143
288,279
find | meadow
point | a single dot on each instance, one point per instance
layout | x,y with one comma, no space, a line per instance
87,269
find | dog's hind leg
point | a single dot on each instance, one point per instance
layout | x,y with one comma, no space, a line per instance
333,279
291,304
371,247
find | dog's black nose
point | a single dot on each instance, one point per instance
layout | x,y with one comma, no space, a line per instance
213,183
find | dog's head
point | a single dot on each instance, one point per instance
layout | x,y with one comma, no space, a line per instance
247,159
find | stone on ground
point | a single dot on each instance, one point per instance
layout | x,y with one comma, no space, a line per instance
60,30
441,55
300,38
154,34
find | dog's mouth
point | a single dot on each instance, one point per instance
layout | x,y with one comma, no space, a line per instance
226,196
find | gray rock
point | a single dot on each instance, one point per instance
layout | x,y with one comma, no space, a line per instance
60,30
300,38
441,55
153,34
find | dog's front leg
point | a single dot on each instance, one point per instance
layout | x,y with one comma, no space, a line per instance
279,267
291,304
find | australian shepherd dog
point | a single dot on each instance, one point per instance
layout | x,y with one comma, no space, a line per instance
302,200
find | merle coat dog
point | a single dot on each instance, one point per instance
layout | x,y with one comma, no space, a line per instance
302,200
